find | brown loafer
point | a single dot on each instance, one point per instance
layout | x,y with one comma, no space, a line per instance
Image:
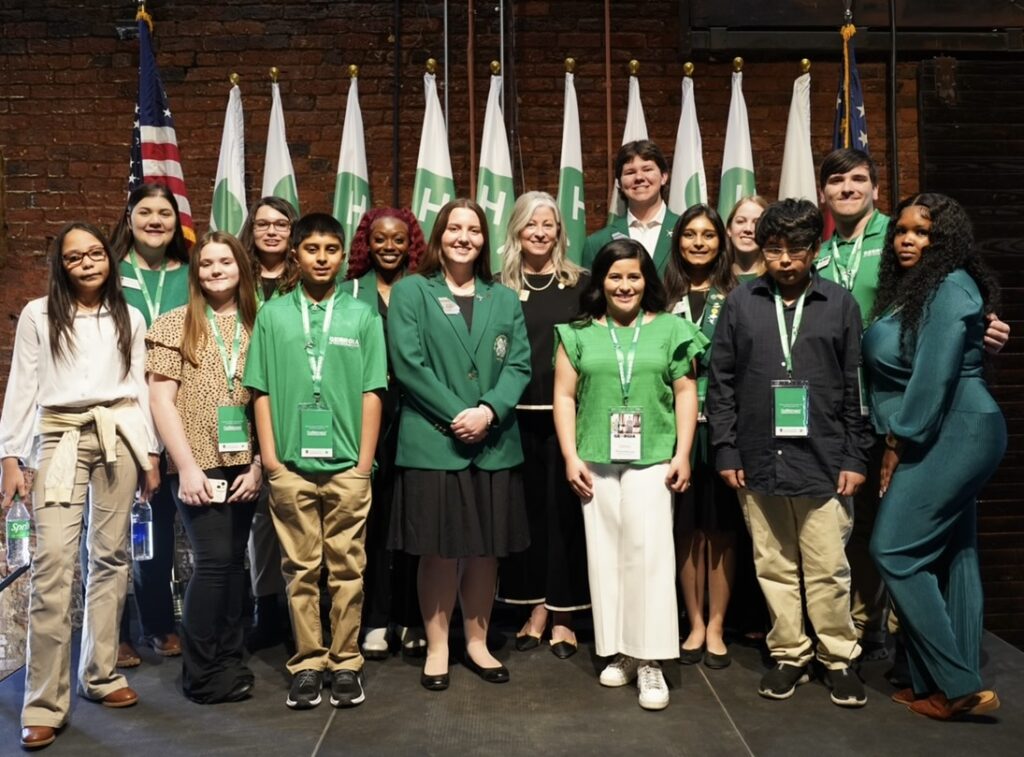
938,707
127,657
37,736
904,696
167,645
125,697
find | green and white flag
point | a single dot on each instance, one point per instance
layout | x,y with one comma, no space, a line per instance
689,186
797,180
229,206
434,185
278,174
738,160
636,128
494,190
352,187
570,179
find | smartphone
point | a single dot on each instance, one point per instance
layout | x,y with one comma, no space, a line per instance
220,490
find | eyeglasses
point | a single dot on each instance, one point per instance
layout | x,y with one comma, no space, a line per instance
280,225
795,253
75,258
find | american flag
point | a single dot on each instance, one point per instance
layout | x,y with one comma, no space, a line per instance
155,156
851,126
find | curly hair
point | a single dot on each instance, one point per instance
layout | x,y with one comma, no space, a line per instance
677,275
950,246
360,260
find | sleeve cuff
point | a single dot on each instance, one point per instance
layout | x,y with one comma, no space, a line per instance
727,458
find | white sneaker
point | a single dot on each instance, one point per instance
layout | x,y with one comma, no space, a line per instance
653,689
620,671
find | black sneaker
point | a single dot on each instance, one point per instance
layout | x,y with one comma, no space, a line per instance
305,691
781,681
347,688
847,689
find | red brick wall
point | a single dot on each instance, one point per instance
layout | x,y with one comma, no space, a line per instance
68,87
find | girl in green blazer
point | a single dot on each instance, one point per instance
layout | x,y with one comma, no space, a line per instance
463,360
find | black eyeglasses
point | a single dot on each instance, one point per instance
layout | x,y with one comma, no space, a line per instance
282,225
73,259
796,253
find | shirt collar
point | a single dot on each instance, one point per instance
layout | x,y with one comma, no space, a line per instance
763,286
658,220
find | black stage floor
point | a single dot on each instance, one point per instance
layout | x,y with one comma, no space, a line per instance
550,707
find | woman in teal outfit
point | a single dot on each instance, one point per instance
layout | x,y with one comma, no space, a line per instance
945,436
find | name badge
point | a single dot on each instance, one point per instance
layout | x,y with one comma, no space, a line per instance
862,392
524,295
130,282
626,432
702,395
232,429
449,306
315,431
791,408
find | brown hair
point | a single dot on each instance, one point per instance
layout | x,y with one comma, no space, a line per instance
432,260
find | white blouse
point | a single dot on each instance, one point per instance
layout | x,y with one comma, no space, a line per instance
89,373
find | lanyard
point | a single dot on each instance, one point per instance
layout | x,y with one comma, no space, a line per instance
152,303
230,363
683,308
788,340
848,273
626,361
316,358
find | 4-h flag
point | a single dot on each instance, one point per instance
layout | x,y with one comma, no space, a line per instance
278,174
434,185
352,187
494,190
570,179
797,180
689,185
154,152
229,206
738,160
636,128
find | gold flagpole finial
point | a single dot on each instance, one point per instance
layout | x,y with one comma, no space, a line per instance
805,66
234,79
687,69
353,71
634,67
495,68
431,65
737,64
570,65
274,73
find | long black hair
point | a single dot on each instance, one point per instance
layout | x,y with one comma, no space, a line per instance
950,246
677,277
592,300
62,302
122,239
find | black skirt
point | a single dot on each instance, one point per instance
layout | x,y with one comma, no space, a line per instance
709,505
465,513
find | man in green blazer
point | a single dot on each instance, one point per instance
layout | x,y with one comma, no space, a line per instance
641,174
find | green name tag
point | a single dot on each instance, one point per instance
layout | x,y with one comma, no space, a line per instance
702,395
315,431
232,429
790,403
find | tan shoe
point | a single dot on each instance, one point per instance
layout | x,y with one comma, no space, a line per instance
167,645
125,697
127,657
938,707
37,736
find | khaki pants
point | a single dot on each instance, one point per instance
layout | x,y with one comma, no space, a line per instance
321,520
58,528
802,540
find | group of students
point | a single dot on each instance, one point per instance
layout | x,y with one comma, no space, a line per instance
703,383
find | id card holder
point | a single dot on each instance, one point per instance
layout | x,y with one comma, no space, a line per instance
315,431
232,429
791,408
702,396
626,424
862,392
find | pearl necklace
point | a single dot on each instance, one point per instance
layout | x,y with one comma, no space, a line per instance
526,281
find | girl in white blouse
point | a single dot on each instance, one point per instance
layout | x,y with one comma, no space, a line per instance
77,411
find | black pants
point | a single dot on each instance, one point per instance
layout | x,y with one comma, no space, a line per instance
212,640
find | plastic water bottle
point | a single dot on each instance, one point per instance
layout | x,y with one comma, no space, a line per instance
19,526
142,530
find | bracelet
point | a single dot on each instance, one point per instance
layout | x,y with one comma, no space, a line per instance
892,442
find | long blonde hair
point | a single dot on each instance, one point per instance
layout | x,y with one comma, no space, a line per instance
197,330
528,203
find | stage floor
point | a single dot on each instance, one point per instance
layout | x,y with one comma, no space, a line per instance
550,707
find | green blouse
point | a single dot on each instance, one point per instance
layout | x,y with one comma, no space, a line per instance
665,352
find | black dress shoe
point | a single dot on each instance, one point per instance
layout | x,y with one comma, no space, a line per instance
717,661
241,690
527,641
491,675
434,682
563,650
691,656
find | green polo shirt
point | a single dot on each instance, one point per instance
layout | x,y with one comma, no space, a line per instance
354,363
865,283
174,295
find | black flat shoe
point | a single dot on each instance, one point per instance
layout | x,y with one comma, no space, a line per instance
241,690
717,661
691,656
564,649
435,682
491,675
527,641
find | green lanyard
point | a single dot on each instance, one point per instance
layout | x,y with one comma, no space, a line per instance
316,353
230,363
152,303
788,340
626,361
848,273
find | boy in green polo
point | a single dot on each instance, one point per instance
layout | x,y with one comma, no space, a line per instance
316,365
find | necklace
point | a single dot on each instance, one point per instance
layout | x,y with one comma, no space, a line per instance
526,281
463,290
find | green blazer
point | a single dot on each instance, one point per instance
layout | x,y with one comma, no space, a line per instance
618,228
364,288
443,368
